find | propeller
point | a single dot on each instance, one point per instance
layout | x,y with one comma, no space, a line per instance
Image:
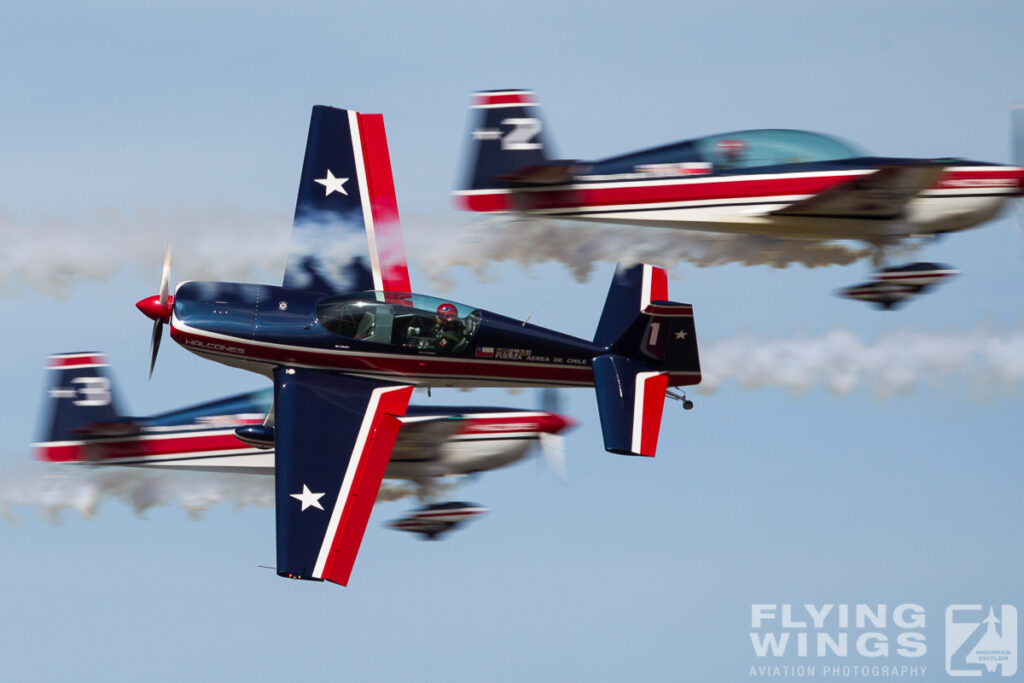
1017,143
158,308
552,445
1017,132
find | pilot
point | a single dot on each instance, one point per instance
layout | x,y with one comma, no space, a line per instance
449,330
731,151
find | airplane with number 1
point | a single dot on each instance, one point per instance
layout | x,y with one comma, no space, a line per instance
345,341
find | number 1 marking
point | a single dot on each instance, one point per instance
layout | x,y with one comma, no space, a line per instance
655,327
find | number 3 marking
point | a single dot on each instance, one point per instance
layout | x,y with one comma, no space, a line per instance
95,391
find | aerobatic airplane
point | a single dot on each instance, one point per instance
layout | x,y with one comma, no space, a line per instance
437,519
891,286
84,424
346,342
781,183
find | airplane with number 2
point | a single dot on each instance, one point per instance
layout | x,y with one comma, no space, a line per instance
776,182
345,341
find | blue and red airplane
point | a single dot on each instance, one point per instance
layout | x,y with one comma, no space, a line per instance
345,342
782,183
84,424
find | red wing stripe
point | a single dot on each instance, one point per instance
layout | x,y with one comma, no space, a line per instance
362,481
387,235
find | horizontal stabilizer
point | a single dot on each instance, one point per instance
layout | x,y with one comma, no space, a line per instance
558,172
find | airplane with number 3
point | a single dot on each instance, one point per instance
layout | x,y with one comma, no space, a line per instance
345,341
83,424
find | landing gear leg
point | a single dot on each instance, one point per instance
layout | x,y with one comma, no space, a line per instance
687,403
878,255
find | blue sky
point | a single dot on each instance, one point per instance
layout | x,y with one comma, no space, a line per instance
124,127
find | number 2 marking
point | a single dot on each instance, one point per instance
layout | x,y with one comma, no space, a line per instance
521,135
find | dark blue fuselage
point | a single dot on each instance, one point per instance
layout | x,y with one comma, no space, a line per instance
375,334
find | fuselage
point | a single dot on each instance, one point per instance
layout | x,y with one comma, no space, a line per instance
378,335
701,190
202,438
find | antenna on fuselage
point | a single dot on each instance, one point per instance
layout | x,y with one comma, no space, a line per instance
527,319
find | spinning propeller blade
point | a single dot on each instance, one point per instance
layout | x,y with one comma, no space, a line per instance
1017,151
165,277
158,308
552,446
154,344
1017,133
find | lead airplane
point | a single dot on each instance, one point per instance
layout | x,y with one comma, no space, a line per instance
783,183
345,342
84,424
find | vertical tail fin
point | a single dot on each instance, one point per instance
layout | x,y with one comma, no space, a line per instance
507,136
633,288
80,394
651,344
639,322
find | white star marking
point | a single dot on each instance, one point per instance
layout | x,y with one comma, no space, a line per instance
681,334
308,498
332,184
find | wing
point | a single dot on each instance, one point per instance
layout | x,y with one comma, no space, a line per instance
334,437
421,438
882,194
346,235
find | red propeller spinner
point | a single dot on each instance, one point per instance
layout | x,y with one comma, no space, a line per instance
158,309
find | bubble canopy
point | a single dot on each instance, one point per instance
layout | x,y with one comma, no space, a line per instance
399,319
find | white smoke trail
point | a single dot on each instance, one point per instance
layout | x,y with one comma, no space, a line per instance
580,245
54,255
990,363
54,490
227,244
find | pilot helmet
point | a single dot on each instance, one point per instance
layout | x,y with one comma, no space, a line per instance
447,312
